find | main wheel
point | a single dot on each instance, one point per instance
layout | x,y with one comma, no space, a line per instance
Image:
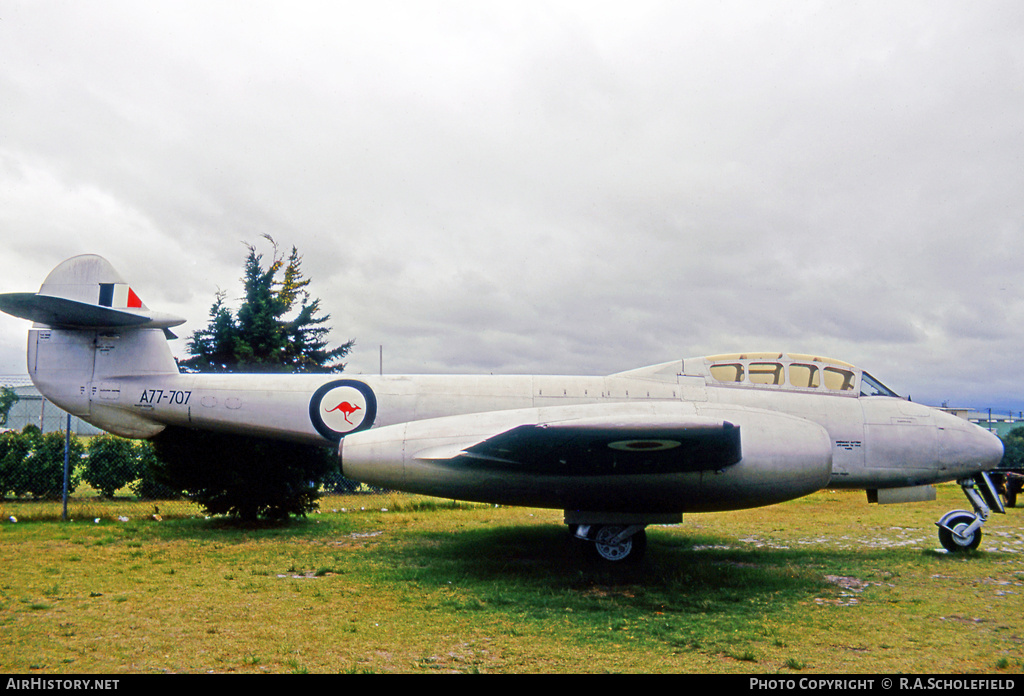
628,550
951,535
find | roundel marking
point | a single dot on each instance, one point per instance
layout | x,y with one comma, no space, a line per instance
644,445
342,407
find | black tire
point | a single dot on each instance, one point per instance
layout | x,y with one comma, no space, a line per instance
1013,486
629,551
956,544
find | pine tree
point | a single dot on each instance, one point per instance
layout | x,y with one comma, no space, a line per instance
277,328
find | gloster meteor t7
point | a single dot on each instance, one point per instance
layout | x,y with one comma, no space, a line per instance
616,453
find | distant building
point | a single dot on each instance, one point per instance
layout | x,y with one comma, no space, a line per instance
998,422
33,409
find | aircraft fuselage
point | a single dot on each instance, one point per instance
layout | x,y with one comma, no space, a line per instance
807,437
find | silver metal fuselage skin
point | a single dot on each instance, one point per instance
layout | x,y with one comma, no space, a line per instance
795,440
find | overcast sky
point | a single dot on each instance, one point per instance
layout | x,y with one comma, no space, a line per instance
542,187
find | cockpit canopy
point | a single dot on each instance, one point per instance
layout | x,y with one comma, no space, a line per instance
790,370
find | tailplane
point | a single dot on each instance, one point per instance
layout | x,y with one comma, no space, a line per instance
85,292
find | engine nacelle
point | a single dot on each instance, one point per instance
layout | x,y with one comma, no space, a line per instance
658,457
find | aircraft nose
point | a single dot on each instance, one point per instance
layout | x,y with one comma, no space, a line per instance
990,449
966,448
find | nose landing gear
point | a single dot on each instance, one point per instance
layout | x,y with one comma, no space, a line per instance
960,530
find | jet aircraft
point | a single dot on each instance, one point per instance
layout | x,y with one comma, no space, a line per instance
616,453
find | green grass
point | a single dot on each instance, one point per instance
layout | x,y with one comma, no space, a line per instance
407,584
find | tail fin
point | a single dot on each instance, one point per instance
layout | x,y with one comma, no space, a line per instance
90,330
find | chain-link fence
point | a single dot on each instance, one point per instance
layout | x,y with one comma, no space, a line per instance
32,408
98,472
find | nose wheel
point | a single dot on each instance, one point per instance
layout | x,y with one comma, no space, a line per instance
960,530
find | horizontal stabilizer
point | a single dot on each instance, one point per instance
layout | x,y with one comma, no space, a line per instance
60,312
85,292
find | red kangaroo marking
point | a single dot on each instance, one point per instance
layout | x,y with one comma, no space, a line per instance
346,409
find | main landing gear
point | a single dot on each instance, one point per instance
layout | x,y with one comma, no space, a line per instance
615,537
960,530
615,543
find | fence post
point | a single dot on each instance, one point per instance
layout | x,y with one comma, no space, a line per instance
67,468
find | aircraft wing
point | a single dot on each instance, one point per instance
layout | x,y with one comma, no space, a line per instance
598,447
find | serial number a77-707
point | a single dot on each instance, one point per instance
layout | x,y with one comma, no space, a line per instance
164,396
